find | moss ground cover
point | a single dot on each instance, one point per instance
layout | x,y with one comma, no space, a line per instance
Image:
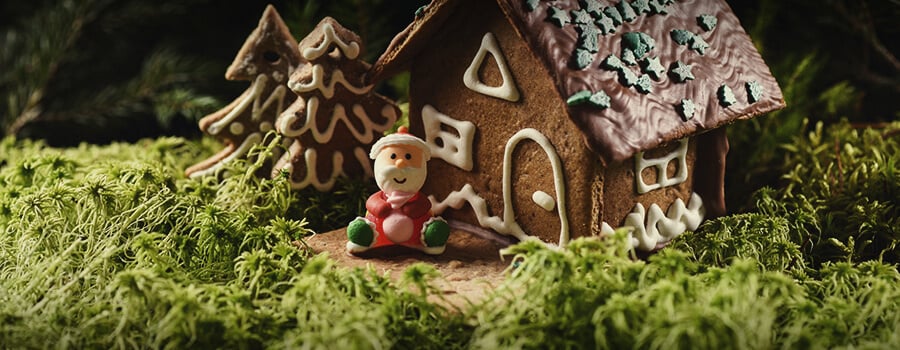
111,247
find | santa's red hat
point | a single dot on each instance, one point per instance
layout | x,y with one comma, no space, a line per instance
401,137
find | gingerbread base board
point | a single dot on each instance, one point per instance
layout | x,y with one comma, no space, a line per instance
470,267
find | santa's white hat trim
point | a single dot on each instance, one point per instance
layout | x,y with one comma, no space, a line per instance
401,137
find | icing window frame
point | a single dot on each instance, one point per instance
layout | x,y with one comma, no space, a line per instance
662,177
456,149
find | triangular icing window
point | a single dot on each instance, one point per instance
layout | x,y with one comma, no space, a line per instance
507,90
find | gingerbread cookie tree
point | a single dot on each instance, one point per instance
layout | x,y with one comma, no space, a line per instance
337,116
267,59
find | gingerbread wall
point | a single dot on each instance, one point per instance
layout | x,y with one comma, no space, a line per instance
437,82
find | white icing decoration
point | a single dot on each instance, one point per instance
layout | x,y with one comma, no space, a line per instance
245,146
350,50
310,156
651,227
253,98
365,135
662,176
236,128
456,150
543,200
278,76
318,82
265,126
507,90
508,225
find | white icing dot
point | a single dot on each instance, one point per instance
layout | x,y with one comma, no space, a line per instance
278,76
265,126
543,200
236,128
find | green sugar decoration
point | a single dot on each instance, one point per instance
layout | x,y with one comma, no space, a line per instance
681,36
652,67
658,7
687,109
628,14
628,57
681,72
726,96
640,44
583,58
598,99
754,91
627,77
613,14
699,45
559,17
581,17
707,22
642,84
612,62
640,6
531,4
588,37
605,24
421,11
592,6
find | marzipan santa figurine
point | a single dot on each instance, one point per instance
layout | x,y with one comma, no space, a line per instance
399,214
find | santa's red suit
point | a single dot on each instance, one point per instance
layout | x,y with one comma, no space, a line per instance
398,218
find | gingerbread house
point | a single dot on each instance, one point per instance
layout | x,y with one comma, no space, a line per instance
558,119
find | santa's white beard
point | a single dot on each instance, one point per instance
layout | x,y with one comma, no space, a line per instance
390,178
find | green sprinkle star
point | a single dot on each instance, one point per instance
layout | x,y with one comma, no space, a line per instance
531,4
640,6
681,36
707,22
583,58
605,24
559,17
628,57
643,84
613,14
592,6
637,42
699,45
754,91
687,109
579,98
658,7
613,63
581,17
681,71
627,12
588,37
652,67
598,99
726,96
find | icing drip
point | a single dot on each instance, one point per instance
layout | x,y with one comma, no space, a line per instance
245,146
507,90
310,156
253,98
364,135
651,227
456,150
508,225
662,177
318,82
351,50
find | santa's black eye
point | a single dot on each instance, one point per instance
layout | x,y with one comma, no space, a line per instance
408,156
393,155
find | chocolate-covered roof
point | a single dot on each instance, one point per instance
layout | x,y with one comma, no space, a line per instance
698,38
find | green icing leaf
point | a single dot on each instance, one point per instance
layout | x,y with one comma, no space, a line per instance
754,91
652,67
612,62
643,84
687,109
579,98
627,12
613,14
598,99
640,6
588,37
605,24
583,58
531,4
640,44
592,6
627,77
726,96
581,17
681,36
707,22
681,72
699,45
558,17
